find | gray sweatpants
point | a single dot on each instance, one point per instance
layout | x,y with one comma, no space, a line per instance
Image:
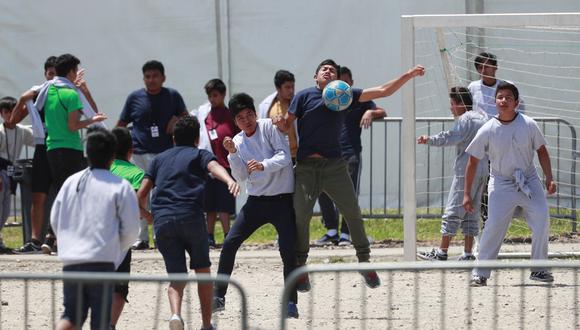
503,200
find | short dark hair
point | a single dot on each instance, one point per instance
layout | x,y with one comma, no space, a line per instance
215,85
461,95
186,131
328,62
283,76
50,63
509,86
153,65
65,63
345,70
239,102
101,146
7,103
484,57
124,142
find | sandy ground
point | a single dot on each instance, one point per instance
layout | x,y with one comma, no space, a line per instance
426,300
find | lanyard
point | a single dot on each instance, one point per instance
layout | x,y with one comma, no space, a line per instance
14,146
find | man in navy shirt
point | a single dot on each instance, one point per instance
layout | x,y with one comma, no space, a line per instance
357,117
180,175
153,110
320,167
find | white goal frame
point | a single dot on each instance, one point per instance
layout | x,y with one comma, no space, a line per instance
408,25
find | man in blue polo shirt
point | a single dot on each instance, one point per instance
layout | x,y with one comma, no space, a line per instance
153,110
320,167
358,117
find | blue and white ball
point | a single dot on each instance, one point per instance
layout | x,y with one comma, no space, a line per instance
337,95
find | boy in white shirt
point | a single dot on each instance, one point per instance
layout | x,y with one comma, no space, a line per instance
12,138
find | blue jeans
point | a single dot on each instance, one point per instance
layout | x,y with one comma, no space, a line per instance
80,297
179,234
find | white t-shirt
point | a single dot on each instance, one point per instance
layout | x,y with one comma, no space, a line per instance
510,146
484,97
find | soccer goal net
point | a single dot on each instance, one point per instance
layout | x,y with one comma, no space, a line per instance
540,54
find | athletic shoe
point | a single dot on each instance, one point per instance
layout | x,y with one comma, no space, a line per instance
542,276
211,242
292,310
432,255
49,245
218,304
29,248
343,241
465,257
372,279
176,323
477,280
327,240
140,245
303,283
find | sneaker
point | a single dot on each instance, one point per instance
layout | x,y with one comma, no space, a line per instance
432,255
211,242
29,248
327,240
303,283
292,310
542,276
477,280
49,245
176,323
466,257
343,241
372,279
140,245
218,304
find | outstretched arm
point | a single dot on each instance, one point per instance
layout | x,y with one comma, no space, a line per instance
284,123
392,86
221,174
20,110
544,159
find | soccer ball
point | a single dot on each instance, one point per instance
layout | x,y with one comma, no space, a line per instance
337,95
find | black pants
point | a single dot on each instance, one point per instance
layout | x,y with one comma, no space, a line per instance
327,208
63,163
259,210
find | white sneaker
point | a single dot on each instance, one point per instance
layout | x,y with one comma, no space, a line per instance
176,323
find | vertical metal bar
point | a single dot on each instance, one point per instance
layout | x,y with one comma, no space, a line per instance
1,305
495,302
53,303
363,311
442,292
218,34
26,304
549,306
575,274
105,297
428,172
157,306
522,299
390,300
371,177
558,167
386,172
337,300
416,300
80,302
469,301
188,301
442,194
400,165
311,306
408,110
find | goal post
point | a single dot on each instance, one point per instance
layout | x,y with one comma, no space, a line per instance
539,52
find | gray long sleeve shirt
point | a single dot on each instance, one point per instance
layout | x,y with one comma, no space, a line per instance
460,135
268,146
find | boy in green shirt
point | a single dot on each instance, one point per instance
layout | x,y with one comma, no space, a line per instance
121,167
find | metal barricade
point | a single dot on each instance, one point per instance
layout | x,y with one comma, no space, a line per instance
32,318
437,295
382,176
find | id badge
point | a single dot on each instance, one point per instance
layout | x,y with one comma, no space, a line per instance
213,134
154,131
10,170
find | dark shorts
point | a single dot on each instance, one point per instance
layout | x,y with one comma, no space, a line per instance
122,288
63,163
217,198
174,236
41,176
80,297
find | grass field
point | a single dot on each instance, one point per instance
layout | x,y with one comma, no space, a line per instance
428,230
